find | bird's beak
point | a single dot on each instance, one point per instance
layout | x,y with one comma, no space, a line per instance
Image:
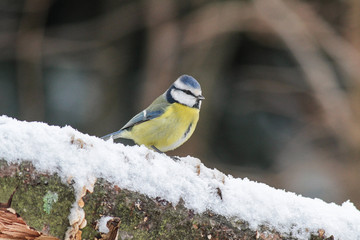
200,97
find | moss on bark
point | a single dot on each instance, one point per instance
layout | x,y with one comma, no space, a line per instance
44,202
146,218
31,200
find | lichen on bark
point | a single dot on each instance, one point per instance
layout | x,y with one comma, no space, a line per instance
141,217
28,201
146,218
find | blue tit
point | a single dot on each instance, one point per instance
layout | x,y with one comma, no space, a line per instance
169,121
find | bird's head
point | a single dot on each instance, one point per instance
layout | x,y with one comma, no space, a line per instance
186,91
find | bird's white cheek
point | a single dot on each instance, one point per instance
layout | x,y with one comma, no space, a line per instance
183,98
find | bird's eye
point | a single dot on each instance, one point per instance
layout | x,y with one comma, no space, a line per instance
188,92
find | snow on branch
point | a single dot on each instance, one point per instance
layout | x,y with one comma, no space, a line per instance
83,158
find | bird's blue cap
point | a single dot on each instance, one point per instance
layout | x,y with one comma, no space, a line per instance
190,81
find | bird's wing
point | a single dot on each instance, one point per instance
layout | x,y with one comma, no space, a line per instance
154,110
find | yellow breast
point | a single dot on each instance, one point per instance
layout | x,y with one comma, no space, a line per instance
167,132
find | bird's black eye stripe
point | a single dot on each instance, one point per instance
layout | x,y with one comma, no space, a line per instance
188,92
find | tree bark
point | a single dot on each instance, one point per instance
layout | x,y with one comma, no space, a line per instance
44,202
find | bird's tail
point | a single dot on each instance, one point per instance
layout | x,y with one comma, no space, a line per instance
113,135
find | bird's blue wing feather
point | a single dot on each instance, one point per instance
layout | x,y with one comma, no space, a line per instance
154,110
142,117
138,118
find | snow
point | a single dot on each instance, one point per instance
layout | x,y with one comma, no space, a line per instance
102,224
83,158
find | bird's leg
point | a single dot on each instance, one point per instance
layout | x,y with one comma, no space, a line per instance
157,150
175,158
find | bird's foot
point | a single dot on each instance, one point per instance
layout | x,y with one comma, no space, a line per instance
157,150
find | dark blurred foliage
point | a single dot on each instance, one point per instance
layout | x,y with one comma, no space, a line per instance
280,79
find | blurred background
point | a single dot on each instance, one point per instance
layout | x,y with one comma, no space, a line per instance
281,79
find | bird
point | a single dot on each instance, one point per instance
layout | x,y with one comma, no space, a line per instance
169,120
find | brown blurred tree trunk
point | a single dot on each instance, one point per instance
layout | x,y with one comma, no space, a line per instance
29,60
